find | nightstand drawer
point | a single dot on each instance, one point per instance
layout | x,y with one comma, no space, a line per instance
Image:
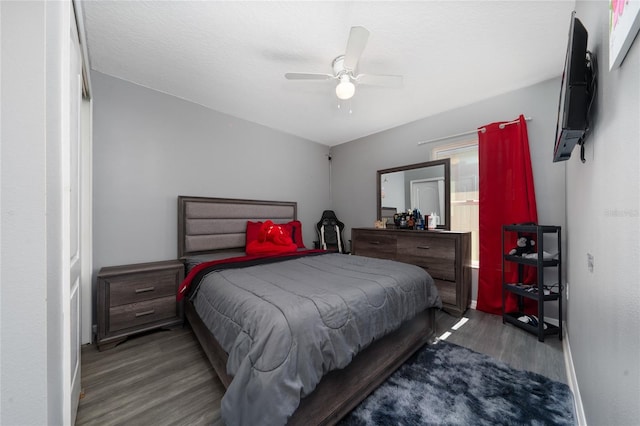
136,298
136,314
127,289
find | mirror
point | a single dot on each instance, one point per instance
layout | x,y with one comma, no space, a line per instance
425,186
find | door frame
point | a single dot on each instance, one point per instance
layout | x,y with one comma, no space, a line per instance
86,170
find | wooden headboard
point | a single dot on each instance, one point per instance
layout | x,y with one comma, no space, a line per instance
209,225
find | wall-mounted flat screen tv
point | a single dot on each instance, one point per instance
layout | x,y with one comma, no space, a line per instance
576,92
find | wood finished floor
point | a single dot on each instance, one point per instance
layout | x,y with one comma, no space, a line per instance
164,378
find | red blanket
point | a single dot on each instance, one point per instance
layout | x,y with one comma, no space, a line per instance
204,268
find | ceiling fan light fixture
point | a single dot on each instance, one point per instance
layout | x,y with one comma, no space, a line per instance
344,69
345,88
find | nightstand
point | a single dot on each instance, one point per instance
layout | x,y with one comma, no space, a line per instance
136,298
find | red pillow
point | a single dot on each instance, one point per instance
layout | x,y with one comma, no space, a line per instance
296,232
294,228
277,234
271,239
253,229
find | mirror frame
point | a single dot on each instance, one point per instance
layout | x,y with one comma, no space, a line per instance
446,162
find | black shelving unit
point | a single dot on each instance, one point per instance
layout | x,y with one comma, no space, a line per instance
535,291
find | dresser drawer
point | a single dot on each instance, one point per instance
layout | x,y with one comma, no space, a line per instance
373,244
436,255
445,255
137,314
447,291
133,288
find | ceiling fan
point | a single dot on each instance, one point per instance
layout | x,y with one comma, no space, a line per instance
344,68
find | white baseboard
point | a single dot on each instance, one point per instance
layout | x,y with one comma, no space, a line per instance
572,380
552,321
473,304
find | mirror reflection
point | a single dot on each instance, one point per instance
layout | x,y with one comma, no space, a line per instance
423,186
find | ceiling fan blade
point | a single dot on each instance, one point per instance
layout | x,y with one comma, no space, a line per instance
394,81
307,76
355,46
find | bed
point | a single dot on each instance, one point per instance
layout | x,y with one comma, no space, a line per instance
213,230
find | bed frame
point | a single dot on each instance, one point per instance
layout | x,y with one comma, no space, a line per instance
210,225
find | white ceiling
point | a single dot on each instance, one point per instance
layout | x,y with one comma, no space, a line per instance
231,56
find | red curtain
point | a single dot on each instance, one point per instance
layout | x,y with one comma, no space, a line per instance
507,196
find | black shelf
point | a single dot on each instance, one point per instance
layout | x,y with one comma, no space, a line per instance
531,229
532,291
512,318
529,261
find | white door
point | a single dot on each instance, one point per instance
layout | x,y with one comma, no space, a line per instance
426,196
71,234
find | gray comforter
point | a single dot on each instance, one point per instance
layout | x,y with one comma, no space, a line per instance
286,324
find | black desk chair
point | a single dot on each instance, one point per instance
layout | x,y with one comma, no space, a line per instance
330,232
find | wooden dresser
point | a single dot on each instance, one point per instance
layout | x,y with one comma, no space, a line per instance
136,298
445,255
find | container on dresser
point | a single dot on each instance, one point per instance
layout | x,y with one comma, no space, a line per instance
445,255
136,298
537,291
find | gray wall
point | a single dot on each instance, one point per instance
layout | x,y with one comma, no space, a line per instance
603,211
150,147
355,163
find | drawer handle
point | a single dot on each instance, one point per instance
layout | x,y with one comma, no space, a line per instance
375,243
141,314
145,289
424,247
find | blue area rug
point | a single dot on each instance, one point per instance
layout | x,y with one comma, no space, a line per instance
446,384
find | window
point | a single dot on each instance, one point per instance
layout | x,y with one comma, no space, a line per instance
465,189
